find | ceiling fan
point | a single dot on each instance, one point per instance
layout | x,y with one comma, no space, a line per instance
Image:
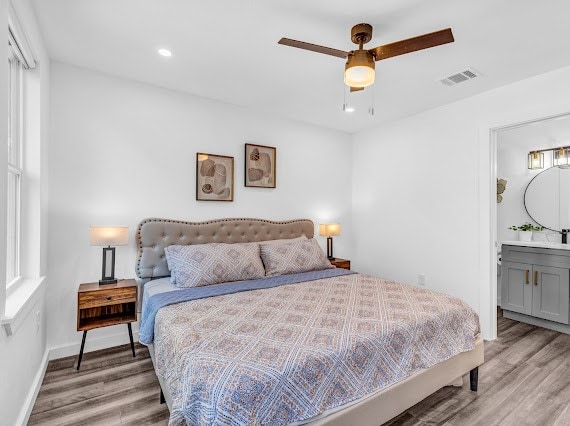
359,70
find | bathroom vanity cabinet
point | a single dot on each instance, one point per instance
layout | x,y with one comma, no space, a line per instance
535,284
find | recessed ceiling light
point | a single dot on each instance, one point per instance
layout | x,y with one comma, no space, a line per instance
164,52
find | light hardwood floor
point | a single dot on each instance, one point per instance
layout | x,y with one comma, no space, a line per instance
525,381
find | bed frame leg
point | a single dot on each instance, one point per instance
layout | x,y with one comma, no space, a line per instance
474,378
162,400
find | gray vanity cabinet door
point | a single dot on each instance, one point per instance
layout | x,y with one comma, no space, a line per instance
516,287
550,293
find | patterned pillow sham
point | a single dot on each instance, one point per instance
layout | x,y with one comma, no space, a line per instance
294,257
205,264
284,241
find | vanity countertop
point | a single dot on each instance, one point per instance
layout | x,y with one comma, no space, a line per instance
540,244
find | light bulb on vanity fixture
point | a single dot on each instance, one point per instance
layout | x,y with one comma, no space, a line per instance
535,160
165,52
560,157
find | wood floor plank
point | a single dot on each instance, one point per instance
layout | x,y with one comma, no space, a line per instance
405,419
73,394
77,380
499,401
564,417
525,380
104,408
89,364
553,353
545,402
524,348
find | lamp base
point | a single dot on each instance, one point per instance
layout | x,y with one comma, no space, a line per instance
330,248
108,269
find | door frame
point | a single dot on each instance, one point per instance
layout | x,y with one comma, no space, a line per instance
488,138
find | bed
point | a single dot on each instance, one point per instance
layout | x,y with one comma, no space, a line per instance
325,347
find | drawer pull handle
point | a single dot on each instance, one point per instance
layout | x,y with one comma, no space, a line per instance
526,274
535,277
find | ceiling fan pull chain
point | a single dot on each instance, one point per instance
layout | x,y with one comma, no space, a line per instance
371,108
346,107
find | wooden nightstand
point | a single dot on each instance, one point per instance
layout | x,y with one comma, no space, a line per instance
104,305
340,263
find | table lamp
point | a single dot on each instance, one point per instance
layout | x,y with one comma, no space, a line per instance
329,230
108,236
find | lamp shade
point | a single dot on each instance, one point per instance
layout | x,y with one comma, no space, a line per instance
329,229
359,70
109,235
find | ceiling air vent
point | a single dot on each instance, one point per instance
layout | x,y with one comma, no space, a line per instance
460,77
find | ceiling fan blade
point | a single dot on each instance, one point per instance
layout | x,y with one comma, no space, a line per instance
413,44
313,47
356,89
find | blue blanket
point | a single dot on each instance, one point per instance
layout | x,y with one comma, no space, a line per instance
154,303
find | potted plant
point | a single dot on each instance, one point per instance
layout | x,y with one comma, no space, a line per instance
525,231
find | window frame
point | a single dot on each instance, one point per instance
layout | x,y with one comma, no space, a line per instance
16,64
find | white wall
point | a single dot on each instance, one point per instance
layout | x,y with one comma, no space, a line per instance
422,185
122,151
23,355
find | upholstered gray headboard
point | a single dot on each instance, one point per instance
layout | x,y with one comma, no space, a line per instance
153,235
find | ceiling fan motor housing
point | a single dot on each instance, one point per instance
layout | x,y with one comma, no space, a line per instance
359,69
361,33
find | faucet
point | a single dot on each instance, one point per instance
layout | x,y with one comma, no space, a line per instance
565,236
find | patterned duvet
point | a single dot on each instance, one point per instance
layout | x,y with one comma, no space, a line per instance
287,354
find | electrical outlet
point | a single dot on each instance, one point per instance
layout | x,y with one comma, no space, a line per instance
421,280
38,320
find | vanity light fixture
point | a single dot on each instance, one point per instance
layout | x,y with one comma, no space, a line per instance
560,157
536,160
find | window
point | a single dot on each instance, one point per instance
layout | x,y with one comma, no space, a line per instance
15,172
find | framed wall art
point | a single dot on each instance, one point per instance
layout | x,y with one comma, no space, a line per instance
260,166
214,177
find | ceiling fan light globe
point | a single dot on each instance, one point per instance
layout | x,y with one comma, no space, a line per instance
360,76
359,69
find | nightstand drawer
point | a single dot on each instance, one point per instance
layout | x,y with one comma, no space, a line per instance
91,299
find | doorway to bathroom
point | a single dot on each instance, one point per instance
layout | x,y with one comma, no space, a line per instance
533,189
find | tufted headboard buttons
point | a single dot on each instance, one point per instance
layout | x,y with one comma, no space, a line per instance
153,235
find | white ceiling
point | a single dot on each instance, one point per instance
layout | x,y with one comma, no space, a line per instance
227,49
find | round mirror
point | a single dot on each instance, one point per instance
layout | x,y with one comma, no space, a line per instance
547,198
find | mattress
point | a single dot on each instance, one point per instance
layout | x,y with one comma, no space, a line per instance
292,353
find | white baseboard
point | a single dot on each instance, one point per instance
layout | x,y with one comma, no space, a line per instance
34,390
91,345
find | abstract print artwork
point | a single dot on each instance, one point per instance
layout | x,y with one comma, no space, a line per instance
260,165
214,177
